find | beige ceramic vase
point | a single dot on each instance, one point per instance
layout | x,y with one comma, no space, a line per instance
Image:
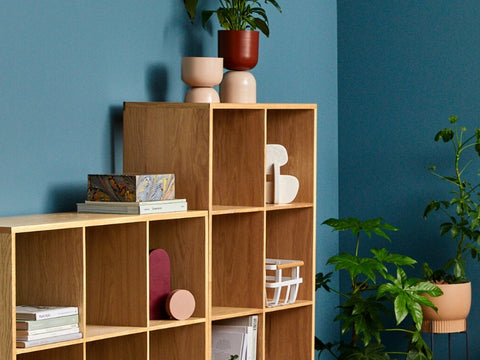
453,309
202,74
238,87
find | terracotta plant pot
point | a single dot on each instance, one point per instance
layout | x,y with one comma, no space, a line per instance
453,309
238,48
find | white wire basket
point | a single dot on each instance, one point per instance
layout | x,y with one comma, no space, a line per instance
282,281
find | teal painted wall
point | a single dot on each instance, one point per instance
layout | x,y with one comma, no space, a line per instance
67,66
405,67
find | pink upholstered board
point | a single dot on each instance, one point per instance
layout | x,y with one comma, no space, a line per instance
159,283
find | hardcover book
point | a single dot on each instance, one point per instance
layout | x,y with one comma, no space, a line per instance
49,340
33,325
131,188
48,330
49,334
134,208
25,312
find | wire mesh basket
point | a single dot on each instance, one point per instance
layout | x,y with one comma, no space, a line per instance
282,281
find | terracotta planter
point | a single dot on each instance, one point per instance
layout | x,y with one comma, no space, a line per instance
453,309
238,48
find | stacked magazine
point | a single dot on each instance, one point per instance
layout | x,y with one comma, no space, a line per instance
41,325
235,338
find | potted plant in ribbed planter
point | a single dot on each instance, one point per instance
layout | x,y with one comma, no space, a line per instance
379,287
462,211
240,19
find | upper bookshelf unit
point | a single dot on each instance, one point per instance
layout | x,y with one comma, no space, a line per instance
217,151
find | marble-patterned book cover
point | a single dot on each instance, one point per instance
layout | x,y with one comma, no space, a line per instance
131,188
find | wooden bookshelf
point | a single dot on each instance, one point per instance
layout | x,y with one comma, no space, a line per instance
99,262
217,152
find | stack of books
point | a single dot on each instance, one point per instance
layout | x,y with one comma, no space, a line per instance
41,325
235,337
134,208
131,194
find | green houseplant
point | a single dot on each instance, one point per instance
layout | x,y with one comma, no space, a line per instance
463,208
379,287
238,42
462,211
235,14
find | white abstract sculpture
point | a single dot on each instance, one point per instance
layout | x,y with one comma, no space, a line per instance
284,188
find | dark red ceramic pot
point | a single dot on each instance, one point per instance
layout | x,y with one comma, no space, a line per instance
238,48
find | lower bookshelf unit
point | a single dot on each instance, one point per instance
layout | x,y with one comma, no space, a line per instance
99,263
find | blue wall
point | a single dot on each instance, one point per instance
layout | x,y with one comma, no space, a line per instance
404,68
67,66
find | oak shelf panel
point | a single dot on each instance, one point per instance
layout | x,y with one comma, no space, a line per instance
223,312
101,332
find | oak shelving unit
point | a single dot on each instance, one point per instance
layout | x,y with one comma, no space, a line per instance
217,152
99,262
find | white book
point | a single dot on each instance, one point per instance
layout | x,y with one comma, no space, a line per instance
47,323
49,340
135,208
227,343
44,335
251,321
46,330
26,312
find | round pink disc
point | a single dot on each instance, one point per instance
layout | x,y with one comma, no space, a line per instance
180,304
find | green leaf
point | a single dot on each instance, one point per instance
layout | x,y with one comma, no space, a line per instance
321,281
274,3
356,226
458,270
386,288
431,206
206,15
382,255
262,26
416,312
191,7
453,119
429,288
446,135
400,308
370,352
356,265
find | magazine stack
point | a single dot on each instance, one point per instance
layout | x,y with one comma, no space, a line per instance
41,325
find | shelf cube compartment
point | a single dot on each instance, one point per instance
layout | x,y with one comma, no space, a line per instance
71,352
289,334
285,286
133,346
